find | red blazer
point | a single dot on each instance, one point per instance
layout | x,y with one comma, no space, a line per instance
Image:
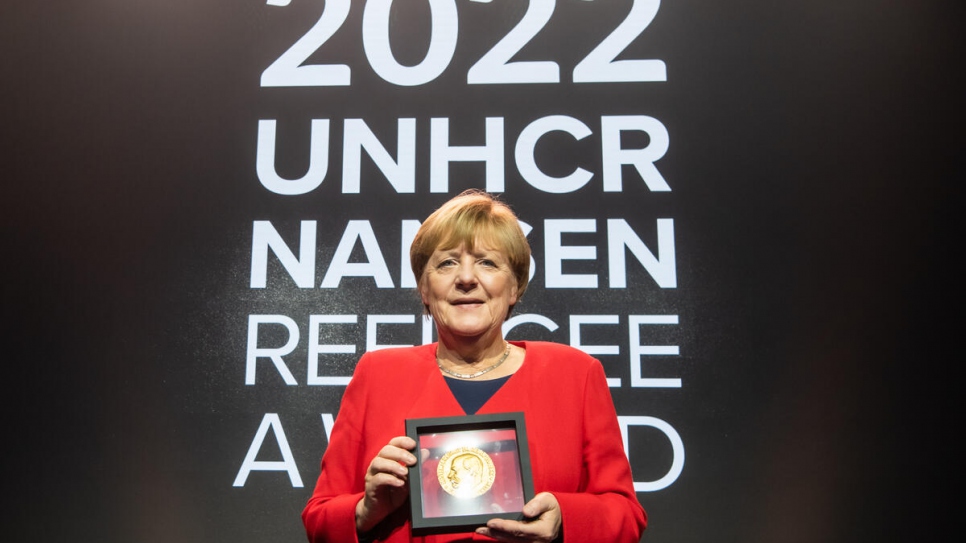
576,451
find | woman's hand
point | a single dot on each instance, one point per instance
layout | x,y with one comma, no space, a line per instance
543,524
386,483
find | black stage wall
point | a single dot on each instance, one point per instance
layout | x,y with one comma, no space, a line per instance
744,209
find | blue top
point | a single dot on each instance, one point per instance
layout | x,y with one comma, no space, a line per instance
473,394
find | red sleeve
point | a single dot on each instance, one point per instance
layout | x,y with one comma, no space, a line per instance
329,515
606,507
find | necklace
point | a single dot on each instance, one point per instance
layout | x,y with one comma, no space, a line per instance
506,353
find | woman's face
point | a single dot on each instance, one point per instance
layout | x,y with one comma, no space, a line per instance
468,292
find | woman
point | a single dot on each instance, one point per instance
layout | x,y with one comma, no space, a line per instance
472,263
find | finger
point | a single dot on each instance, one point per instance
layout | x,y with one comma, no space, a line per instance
513,532
389,467
512,528
498,535
384,481
540,504
543,524
485,530
396,454
403,442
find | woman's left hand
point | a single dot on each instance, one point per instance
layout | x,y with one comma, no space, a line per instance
543,522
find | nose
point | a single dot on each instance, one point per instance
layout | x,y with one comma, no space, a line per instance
466,277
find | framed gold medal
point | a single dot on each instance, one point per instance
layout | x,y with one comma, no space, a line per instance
470,469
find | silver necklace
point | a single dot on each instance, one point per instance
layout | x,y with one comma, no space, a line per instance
506,353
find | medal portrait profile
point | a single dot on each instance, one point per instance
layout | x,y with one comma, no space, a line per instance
466,472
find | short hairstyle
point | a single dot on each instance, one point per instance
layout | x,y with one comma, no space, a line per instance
473,216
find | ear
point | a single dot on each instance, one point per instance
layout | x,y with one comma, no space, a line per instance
423,289
512,302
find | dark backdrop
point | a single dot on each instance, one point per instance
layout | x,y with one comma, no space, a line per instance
813,156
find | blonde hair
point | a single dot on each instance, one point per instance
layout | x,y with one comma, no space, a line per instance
473,216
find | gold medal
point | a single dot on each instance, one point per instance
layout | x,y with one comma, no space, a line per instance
466,472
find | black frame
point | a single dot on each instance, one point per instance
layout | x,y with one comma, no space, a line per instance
465,523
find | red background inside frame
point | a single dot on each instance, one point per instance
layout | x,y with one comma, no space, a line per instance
506,494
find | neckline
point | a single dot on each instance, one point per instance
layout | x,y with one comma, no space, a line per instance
434,346
505,378
509,378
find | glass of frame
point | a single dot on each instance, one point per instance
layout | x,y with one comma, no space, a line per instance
469,469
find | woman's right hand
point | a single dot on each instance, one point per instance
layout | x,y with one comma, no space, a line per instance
387,483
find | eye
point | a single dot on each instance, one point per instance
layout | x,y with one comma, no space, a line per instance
446,263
